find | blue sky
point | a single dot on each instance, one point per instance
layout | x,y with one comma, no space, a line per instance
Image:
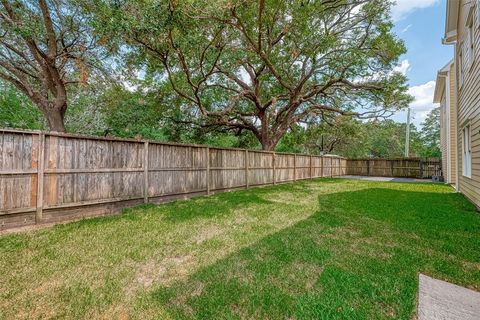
421,24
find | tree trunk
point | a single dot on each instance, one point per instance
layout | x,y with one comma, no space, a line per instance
265,137
268,145
268,141
55,119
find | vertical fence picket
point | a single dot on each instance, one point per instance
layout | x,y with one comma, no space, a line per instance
40,174
294,167
408,167
421,169
311,176
145,172
273,166
321,167
246,168
208,171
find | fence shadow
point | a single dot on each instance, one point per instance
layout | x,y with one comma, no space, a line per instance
216,206
226,203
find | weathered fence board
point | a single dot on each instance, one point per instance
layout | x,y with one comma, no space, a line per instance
52,177
409,167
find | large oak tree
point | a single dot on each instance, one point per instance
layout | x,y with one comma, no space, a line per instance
265,65
45,45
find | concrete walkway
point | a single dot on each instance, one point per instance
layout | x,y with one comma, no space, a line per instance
442,300
383,179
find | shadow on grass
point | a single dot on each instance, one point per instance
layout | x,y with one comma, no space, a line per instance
217,205
179,210
357,258
225,203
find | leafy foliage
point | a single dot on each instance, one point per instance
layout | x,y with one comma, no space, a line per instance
17,111
83,116
431,134
264,66
278,75
45,47
355,139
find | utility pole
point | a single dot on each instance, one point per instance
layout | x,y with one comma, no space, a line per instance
407,135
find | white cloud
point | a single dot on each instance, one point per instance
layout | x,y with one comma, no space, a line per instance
423,103
403,67
406,28
403,7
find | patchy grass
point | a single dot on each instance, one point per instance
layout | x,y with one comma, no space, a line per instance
322,249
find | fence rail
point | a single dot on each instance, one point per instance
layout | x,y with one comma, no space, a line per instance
404,167
52,177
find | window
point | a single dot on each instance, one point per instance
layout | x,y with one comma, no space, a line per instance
466,152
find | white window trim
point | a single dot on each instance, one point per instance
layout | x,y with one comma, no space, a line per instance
467,150
469,55
461,62
478,13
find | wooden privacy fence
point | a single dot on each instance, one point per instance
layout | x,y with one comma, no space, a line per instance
52,177
403,167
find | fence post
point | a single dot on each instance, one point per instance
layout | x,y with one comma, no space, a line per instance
295,167
145,172
368,167
273,164
208,170
246,168
40,174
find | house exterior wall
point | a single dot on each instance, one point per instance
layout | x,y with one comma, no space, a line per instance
445,96
443,137
452,127
468,99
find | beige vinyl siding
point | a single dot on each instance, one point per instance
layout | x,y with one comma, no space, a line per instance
446,81
443,136
452,126
469,107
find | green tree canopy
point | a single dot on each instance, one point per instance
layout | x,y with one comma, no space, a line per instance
263,66
354,139
45,47
430,134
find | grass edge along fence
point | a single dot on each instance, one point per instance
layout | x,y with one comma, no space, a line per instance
49,177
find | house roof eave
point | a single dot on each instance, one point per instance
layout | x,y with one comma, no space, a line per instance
451,21
441,82
439,87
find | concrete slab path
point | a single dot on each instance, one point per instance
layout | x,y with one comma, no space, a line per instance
440,300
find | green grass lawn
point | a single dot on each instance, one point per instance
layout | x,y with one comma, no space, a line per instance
318,249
